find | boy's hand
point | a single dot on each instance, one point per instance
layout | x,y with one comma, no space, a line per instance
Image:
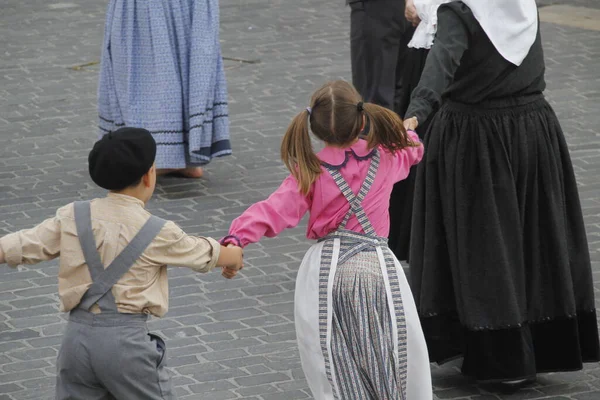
229,273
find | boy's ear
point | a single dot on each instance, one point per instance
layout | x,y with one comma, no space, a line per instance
146,179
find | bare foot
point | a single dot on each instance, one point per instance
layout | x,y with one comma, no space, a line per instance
192,172
162,172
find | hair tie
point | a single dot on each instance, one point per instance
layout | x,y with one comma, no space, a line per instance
359,106
309,110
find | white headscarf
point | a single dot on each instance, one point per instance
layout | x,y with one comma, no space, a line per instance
511,25
425,32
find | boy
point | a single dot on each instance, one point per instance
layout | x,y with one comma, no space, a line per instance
107,351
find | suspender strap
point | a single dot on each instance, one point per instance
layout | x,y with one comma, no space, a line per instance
355,201
107,278
366,186
87,239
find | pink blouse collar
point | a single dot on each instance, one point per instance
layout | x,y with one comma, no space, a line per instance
336,157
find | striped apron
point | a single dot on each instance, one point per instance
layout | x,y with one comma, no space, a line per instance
358,330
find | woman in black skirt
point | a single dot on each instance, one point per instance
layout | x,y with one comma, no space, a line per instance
499,258
422,14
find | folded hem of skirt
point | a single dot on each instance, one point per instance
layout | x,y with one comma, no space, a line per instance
561,344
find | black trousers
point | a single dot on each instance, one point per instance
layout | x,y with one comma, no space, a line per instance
379,34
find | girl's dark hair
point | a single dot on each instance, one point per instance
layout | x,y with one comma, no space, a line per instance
337,116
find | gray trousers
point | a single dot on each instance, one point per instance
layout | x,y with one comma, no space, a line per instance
111,356
379,35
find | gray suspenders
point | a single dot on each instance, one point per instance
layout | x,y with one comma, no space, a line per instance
356,200
104,279
350,247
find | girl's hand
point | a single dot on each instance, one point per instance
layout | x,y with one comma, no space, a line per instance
411,124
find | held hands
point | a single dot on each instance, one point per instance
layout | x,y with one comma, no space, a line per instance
228,273
237,254
411,124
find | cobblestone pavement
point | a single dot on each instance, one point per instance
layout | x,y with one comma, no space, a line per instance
227,339
578,3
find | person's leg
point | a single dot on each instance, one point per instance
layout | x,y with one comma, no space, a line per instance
376,29
358,46
401,86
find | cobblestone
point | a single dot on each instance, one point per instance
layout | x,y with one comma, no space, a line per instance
226,339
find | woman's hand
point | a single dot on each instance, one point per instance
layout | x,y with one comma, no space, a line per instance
410,13
411,124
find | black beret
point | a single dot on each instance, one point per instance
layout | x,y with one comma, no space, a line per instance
121,158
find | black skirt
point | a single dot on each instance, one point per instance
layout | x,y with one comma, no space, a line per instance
499,259
401,199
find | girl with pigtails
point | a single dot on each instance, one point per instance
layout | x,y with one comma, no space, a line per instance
357,326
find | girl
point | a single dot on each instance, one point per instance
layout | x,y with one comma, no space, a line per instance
358,332
499,258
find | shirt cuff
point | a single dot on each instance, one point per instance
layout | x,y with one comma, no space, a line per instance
414,136
231,239
216,252
11,245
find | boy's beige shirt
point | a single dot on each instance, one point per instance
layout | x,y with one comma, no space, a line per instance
116,219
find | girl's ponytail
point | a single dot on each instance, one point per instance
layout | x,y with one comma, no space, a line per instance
386,129
298,155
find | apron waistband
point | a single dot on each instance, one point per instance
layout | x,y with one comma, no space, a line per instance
107,318
350,236
352,243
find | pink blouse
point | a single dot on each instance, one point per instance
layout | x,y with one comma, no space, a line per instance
325,202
